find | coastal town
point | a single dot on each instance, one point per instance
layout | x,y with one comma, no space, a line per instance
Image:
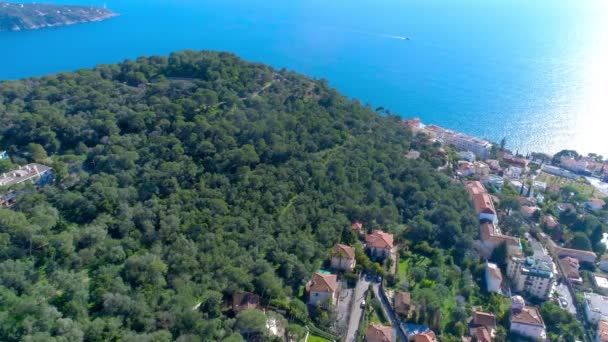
533,212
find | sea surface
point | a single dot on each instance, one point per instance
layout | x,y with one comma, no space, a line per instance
535,72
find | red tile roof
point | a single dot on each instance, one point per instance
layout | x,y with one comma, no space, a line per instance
602,331
485,319
379,333
380,239
428,336
357,226
322,283
483,334
529,315
480,197
344,252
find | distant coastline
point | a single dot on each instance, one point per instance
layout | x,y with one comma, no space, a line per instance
20,17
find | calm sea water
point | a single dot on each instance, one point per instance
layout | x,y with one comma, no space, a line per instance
535,72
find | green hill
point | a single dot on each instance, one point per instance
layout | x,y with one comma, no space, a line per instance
181,180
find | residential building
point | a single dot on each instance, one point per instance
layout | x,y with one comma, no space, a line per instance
402,302
379,244
604,263
379,333
321,288
515,161
467,155
482,201
550,221
596,307
357,227
40,174
491,237
461,142
581,256
601,334
3,155
494,165
478,168
343,258
413,124
493,278
561,207
245,301
601,281
532,275
595,204
514,172
528,211
428,336
483,326
528,322
556,171
570,266
577,166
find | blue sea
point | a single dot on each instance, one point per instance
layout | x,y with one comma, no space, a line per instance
535,72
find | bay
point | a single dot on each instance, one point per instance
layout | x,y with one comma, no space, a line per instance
535,72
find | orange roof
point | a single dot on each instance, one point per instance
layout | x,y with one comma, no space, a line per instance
575,253
602,331
529,315
322,283
380,239
570,266
484,318
483,335
487,233
357,226
528,210
483,203
550,221
379,333
344,252
428,336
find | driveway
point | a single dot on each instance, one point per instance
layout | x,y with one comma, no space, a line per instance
343,309
562,292
356,311
390,313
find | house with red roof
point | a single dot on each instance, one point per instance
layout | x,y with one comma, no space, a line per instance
428,336
343,258
379,333
483,326
322,288
379,244
482,201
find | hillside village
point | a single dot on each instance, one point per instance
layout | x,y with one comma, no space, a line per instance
539,225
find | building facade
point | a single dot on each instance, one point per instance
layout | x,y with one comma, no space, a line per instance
533,276
596,307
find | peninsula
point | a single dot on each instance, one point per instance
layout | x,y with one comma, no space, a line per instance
17,17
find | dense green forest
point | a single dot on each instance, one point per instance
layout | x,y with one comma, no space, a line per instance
181,180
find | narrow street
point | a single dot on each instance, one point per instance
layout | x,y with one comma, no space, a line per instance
390,314
356,311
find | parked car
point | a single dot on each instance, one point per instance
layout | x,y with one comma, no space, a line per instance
563,302
362,304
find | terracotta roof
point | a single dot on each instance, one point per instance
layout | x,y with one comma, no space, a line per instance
596,202
245,300
322,283
528,210
488,233
379,333
428,336
402,302
484,319
575,253
529,315
380,239
344,252
357,226
570,266
550,221
602,331
483,334
495,271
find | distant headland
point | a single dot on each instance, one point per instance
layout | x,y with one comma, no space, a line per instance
32,16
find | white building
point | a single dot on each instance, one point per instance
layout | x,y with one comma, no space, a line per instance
493,278
556,171
322,288
534,276
467,155
604,263
528,322
462,142
596,307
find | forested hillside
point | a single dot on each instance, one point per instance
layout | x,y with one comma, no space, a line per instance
181,180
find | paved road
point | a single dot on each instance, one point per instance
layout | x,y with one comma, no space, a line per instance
562,291
388,312
355,315
343,310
